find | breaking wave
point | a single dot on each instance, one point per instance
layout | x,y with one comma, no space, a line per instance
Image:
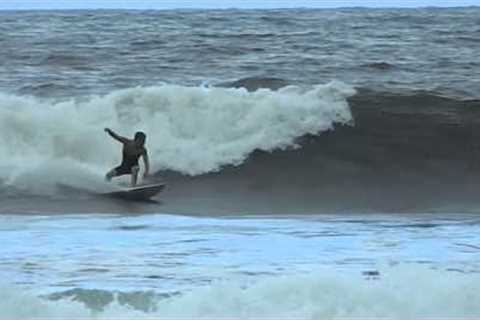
191,130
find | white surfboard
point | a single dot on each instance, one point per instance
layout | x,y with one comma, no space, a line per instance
138,193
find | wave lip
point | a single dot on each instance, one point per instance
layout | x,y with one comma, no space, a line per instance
255,83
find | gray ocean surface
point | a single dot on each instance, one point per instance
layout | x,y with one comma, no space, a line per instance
72,53
320,164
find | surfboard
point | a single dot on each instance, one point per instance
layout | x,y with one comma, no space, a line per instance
138,193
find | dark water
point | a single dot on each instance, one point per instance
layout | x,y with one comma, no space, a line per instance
292,138
71,53
411,143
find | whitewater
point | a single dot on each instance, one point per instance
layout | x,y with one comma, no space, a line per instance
319,164
251,267
191,130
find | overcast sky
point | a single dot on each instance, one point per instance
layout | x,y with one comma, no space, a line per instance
170,4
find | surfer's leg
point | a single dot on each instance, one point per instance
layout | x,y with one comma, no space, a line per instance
117,171
135,170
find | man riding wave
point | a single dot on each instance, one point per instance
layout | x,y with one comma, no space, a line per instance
132,151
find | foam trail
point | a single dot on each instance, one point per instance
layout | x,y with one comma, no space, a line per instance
192,130
413,292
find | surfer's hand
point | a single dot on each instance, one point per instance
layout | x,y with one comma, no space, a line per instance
107,130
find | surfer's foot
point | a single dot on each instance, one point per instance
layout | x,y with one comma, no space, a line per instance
110,175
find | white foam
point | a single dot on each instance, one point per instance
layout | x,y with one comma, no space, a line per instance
192,130
413,292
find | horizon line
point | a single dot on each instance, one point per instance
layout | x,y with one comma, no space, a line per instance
236,8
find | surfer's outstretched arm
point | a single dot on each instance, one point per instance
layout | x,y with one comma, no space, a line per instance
116,136
146,162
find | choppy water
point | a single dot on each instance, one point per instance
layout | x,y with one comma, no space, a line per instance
310,267
344,116
220,88
72,53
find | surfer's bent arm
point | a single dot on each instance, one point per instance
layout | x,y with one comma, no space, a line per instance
116,136
146,162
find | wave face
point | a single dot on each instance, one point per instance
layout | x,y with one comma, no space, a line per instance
191,130
400,293
407,151
325,148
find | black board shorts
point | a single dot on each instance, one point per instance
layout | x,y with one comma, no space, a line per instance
124,169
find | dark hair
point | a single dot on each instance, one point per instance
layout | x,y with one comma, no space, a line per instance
139,135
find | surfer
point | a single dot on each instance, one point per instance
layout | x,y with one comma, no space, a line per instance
132,150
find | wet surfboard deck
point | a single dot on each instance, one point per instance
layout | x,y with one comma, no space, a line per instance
138,193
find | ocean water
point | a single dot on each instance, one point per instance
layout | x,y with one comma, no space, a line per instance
248,267
320,164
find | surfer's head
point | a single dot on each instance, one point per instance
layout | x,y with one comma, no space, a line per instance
140,138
